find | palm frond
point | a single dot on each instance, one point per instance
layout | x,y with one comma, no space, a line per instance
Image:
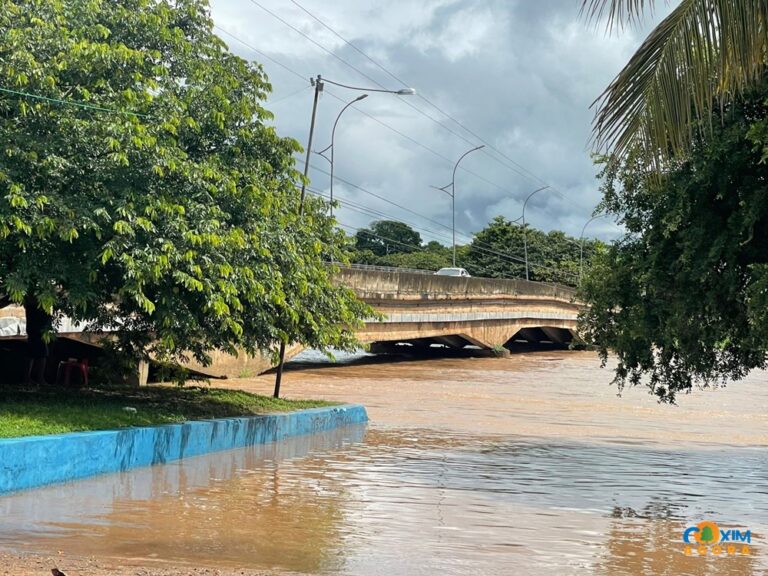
702,55
616,13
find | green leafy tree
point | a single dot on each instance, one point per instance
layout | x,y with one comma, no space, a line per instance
682,298
142,190
498,252
435,246
388,237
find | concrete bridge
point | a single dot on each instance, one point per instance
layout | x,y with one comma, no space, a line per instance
422,310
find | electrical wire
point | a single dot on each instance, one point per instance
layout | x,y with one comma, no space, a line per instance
517,166
477,244
471,237
424,249
291,95
260,53
71,103
389,127
374,81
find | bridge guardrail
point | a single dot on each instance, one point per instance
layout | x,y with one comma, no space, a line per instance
374,268
401,281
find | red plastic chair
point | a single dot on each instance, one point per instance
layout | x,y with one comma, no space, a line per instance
66,366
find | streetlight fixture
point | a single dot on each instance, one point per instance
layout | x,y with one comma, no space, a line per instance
581,242
525,238
331,147
452,194
319,84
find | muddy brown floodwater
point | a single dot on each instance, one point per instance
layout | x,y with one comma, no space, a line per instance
527,465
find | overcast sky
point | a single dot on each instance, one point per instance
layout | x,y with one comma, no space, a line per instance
521,75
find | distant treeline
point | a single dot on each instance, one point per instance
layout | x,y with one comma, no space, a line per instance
497,251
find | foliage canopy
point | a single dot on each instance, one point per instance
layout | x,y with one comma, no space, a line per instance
683,297
388,236
497,251
143,191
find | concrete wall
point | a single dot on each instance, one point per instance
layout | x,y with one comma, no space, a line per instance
39,460
370,285
225,365
486,312
100,495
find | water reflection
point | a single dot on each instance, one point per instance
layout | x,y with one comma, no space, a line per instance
606,487
226,506
653,548
408,501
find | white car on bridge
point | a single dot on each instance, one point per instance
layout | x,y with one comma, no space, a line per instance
453,272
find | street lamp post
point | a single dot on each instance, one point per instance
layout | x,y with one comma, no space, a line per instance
319,84
525,238
452,186
581,242
331,147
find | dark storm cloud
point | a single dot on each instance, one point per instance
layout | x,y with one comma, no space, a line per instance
521,75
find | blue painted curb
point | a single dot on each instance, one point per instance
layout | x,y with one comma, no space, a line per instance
34,461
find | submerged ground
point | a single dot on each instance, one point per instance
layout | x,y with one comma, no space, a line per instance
527,465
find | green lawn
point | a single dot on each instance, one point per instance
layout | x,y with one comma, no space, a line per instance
54,411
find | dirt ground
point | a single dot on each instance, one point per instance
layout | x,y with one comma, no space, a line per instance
35,565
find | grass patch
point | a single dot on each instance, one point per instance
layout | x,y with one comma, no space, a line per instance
26,412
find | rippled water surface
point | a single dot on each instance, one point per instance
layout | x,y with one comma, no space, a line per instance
528,465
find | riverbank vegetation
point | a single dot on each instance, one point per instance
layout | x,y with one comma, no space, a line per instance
145,193
55,410
682,298
496,251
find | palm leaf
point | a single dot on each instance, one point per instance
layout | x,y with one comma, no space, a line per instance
702,55
616,12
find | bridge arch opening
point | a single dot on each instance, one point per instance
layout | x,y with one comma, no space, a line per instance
545,336
419,345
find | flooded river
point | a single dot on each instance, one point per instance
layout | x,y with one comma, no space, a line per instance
527,465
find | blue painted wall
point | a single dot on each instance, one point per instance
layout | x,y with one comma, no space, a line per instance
38,460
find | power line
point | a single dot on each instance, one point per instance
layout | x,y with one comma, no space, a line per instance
477,244
291,95
424,249
527,173
387,200
378,214
75,103
309,38
347,64
516,166
471,237
373,80
362,209
368,232
340,37
424,146
389,127
448,160
260,53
